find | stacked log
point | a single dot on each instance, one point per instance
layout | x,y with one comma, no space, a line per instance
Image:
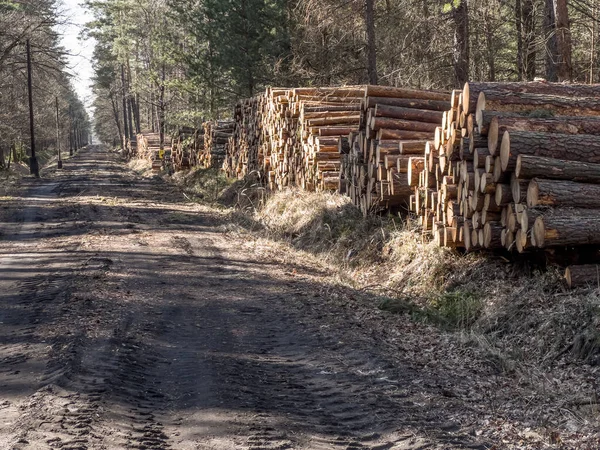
515,166
324,116
188,148
148,148
382,160
244,150
291,136
216,136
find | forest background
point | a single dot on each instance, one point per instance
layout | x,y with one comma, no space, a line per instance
165,64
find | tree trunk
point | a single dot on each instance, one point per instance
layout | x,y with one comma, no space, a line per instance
559,124
567,227
421,115
537,166
371,42
161,108
400,124
460,16
529,38
432,105
519,29
550,36
472,90
563,193
525,102
124,102
583,276
563,41
576,147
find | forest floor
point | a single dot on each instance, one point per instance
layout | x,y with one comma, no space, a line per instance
131,317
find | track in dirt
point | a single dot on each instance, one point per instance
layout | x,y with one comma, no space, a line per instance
130,319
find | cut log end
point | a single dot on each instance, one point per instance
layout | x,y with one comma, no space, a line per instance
505,151
584,275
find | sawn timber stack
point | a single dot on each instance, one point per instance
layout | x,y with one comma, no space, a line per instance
381,158
515,166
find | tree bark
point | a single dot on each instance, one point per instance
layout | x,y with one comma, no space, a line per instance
400,124
550,36
499,90
560,124
563,41
557,169
402,135
421,115
371,43
578,147
460,17
583,275
563,193
432,105
567,227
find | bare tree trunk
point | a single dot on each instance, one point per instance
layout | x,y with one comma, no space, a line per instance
491,53
529,36
115,109
563,41
461,43
550,34
124,101
519,27
161,108
371,43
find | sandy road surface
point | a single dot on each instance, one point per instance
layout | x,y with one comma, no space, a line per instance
129,318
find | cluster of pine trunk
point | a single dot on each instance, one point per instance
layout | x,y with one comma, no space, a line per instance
514,166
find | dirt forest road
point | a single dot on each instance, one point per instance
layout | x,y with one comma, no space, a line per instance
131,319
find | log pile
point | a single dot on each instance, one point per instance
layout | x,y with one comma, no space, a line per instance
382,158
188,148
292,135
216,136
244,149
148,148
514,166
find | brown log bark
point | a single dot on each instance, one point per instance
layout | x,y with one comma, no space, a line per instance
558,169
492,235
558,124
378,123
396,112
477,141
342,120
432,105
406,93
583,276
567,227
471,90
402,135
479,156
335,131
518,102
486,119
563,193
560,146
412,147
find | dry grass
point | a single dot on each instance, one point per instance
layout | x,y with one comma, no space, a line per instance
518,317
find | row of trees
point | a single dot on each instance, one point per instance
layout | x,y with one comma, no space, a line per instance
37,21
162,64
